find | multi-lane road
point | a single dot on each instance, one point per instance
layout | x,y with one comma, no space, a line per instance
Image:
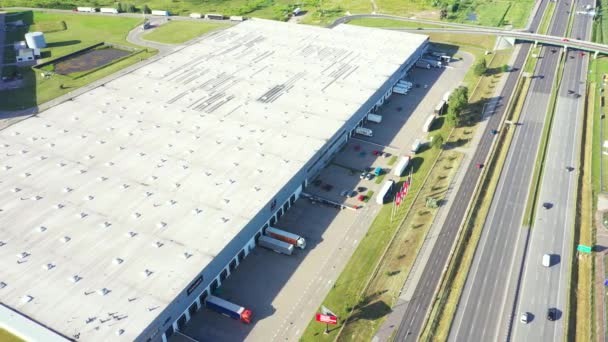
546,287
485,309
418,306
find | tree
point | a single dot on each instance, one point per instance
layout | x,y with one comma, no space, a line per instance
146,9
130,8
119,7
458,101
480,67
443,13
437,141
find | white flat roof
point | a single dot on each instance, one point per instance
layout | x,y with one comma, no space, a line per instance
135,186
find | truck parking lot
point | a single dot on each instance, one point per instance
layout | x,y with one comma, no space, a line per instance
284,291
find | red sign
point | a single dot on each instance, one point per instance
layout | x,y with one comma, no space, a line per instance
327,319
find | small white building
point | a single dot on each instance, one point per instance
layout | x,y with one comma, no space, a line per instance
25,55
19,45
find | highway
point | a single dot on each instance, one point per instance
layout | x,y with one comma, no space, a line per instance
484,310
546,287
417,308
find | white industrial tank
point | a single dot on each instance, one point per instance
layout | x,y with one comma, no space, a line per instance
35,40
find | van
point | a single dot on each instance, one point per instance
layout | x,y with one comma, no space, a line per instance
547,260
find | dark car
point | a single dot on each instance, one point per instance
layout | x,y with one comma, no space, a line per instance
552,314
547,205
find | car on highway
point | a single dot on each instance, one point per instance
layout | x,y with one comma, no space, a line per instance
363,175
479,165
547,205
565,40
552,314
525,317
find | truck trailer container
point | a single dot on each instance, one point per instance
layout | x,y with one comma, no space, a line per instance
440,107
364,131
446,96
284,236
196,15
400,90
374,118
214,16
161,13
428,123
423,65
401,166
236,18
384,191
108,10
275,245
86,9
416,145
434,64
228,309
404,84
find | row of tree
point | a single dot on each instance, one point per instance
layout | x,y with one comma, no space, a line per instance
130,8
458,102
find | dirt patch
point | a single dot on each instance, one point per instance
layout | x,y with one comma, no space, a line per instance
89,60
428,15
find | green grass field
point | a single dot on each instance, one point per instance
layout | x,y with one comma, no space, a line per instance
481,12
176,32
390,23
80,32
6,336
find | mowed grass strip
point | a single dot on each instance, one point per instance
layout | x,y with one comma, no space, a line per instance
544,24
6,336
444,308
177,32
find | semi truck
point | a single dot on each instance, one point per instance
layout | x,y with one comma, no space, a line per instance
401,166
228,309
374,118
86,9
364,131
236,18
108,10
440,107
400,90
416,145
434,64
384,191
423,65
429,122
196,15
161,13
275,245
284,236
214,16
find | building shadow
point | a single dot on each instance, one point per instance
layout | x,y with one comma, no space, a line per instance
63,43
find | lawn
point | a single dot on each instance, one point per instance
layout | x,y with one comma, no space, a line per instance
482,12
6,336
544,25
391,23
176,32
80,32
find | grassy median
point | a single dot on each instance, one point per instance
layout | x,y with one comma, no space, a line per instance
177,32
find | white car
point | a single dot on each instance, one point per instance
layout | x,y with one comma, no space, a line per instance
525,318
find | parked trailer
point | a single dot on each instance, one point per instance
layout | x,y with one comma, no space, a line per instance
196,15
161,13
401,166
428,123
275,245
214,16
236,18
86,9
416,145
440,107
384,191
284,236
404,83
364,131
446,96
228,309
423,65
434,64
400,90
108,10
374,118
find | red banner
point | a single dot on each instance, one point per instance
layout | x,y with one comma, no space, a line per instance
327,319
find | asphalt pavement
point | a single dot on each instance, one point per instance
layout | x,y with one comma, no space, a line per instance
485,311
546,287
419,305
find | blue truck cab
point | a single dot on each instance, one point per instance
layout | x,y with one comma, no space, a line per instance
378,171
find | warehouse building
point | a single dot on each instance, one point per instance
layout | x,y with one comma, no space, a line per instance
124,207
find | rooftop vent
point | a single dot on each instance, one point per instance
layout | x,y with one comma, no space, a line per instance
58,206
42,157
83,215
102,179
103,291
23,255
82,171
6,167
41,229
26,299
75,278
62,164
15,189
120,332
147,272
125,186
82,136
117,261
158,244
197,211
65,239
105,224
161,225
23,151
131,234
35,198
89,198
26,174
101,142
135,215
66,189
187,255
2,243
48,266
2,284
90,157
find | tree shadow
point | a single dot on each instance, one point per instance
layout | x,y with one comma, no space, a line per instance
371,311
